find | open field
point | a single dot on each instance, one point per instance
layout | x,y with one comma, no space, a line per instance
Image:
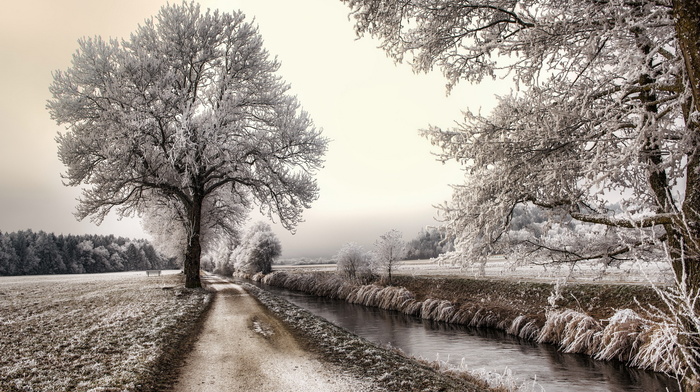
582,272
498,267
101,332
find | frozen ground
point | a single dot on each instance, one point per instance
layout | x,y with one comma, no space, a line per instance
85,278
498,267
241,347
382,368
97,332
582,272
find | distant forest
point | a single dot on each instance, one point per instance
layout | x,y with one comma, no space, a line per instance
30,253
428,244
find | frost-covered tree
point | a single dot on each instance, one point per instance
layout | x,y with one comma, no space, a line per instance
188,109
27,252
221,257
48,253
429,243
604,108
259,248
389,252
354,262
607,106
8,256
166,221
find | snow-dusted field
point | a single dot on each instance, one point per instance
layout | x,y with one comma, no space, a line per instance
77,278
98,332
498,267
304,267
590,272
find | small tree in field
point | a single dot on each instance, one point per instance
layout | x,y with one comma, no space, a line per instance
188,113
354,262
389,252
258,250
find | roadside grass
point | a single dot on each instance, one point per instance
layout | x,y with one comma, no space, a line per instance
94,334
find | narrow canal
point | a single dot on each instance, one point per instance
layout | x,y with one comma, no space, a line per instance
540,366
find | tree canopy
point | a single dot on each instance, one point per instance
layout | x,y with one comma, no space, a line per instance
429,243
605,108
187,113
258,249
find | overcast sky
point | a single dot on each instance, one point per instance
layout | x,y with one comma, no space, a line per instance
379,173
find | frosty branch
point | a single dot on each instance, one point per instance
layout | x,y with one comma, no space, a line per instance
606,108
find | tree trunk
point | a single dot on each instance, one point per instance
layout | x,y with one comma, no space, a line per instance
684,247
686,260
194,246
687,13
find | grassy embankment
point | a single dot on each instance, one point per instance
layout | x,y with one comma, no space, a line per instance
603,321
93,333
388,369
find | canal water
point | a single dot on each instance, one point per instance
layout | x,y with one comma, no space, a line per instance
490,351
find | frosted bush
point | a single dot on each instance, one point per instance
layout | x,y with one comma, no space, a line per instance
581,335
659,349
619,339
524,328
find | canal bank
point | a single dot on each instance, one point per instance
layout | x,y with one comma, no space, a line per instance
388,369
586,319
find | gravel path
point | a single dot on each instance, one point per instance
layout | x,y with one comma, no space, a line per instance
243,348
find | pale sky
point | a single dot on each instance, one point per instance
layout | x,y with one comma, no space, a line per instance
379,173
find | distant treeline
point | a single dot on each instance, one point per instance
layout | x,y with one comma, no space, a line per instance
30,253
428,244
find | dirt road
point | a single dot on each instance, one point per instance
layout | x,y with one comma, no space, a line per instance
242,348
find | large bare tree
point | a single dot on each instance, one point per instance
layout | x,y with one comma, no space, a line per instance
187,112
606,107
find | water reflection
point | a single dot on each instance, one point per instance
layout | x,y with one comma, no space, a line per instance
489,349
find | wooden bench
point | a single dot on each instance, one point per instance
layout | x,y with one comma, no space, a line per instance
152,272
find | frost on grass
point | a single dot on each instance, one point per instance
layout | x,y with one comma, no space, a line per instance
386,369
613,325
263,329
90,335
506,381
626,336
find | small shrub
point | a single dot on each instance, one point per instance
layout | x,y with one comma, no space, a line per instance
355,263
